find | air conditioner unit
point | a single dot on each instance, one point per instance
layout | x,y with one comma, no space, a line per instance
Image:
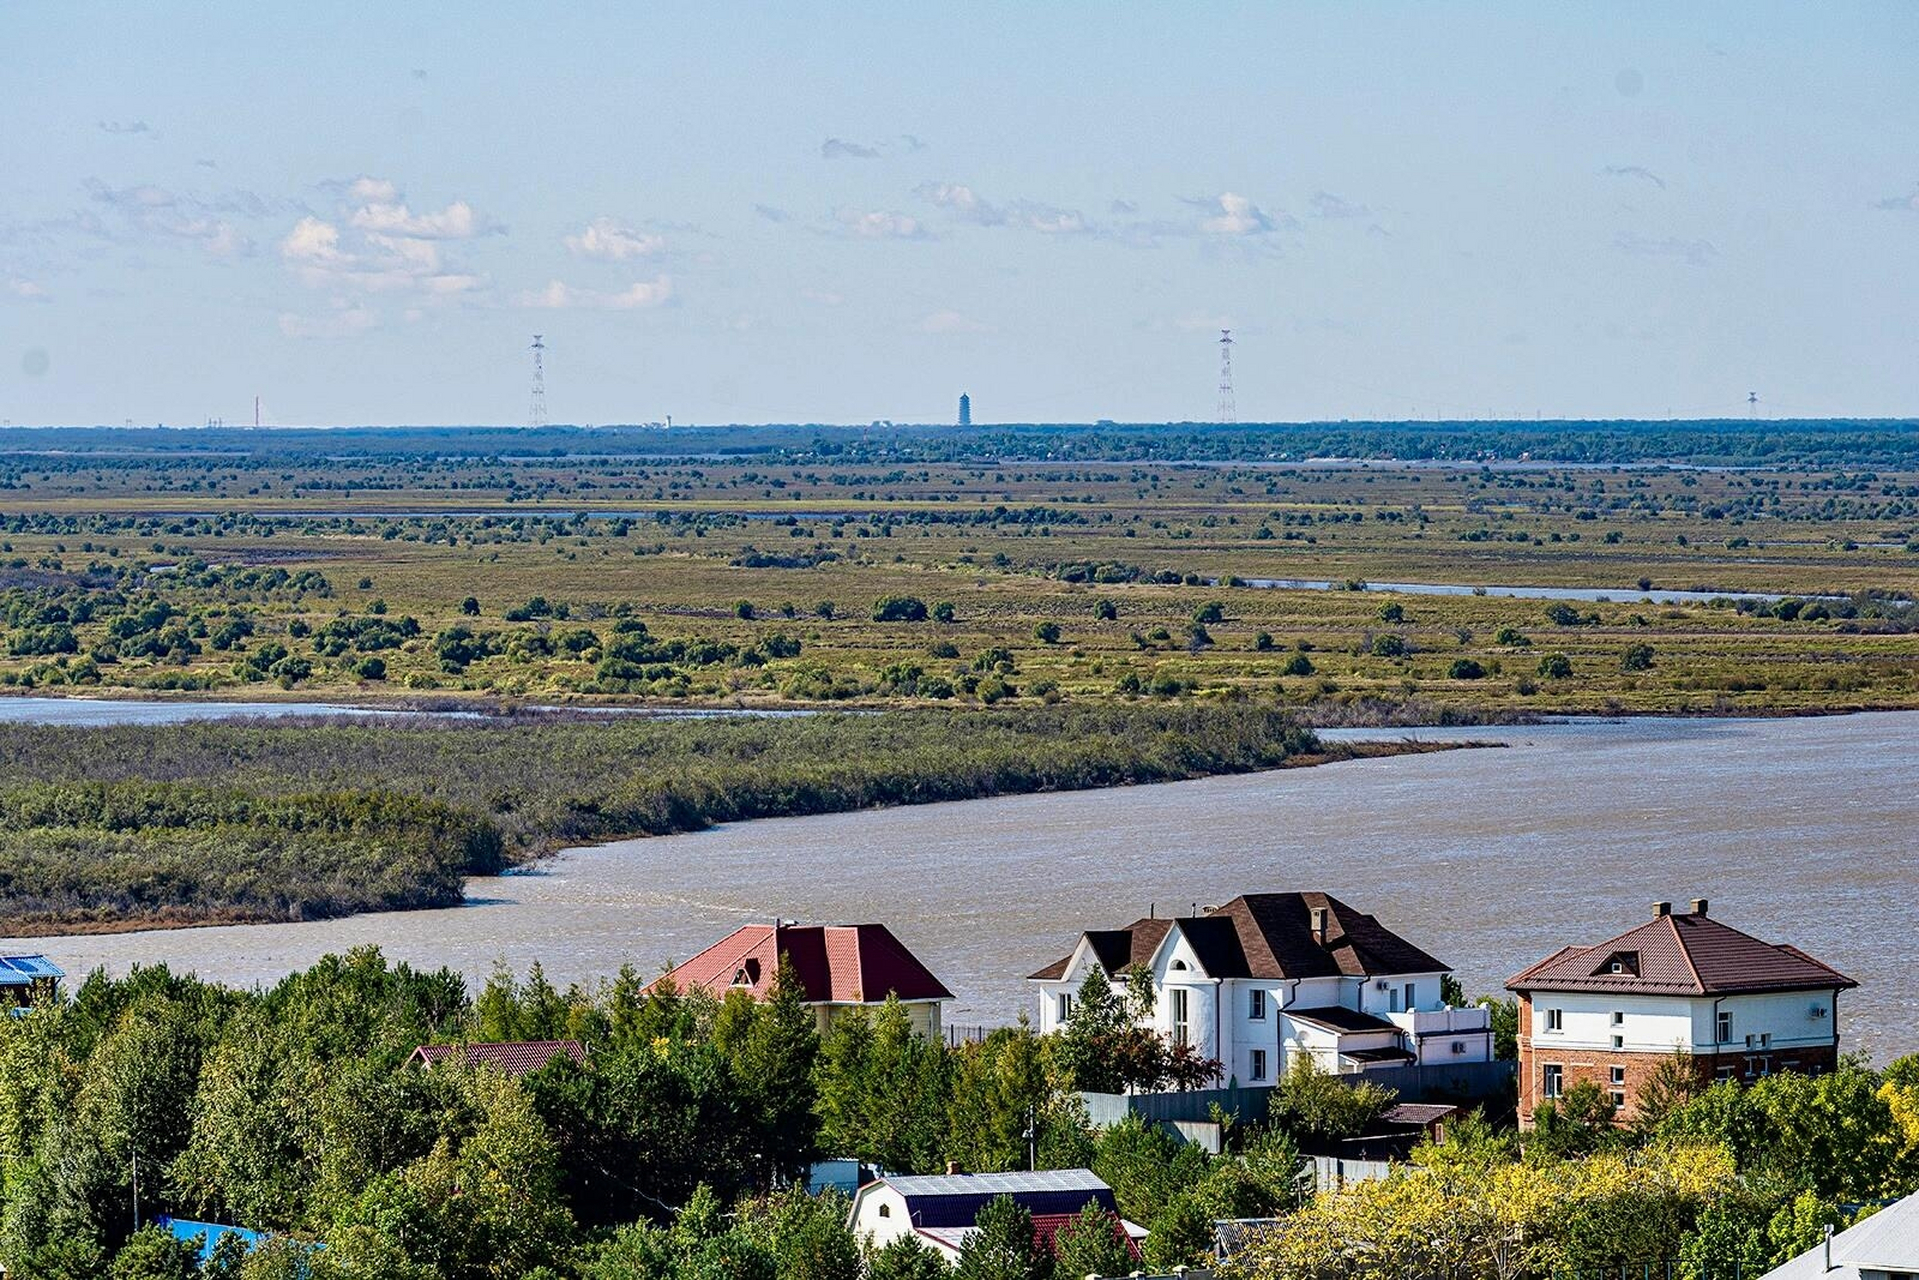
1817,1011
1382,986
1459,1046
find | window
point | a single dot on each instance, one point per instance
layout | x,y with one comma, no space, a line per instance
1555,1080
1619,1042
1412,997
1618,1100
1725,1026
1555,1020
1618,1018
1259,1064
1459,1046
1618,1075
1256,1001
1182,1023
886,1211
1065,1005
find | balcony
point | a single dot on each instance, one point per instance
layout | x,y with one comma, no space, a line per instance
1421,1023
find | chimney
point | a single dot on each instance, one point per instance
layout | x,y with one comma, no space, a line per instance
1319,925
952,1168
1661,909
1699,906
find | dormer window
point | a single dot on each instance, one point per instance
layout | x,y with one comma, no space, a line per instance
1621,963
747,975
1178,964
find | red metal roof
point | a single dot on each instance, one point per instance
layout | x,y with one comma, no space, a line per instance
837,964
514,1057
1684,954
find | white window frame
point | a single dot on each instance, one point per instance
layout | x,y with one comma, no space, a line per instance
1724,1028
1555,1019
1257,1068
1065,1005
1256,1004
1552,1081
1180,1015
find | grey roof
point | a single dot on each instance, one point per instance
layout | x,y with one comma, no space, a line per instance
1887,1241
997,1184
21,971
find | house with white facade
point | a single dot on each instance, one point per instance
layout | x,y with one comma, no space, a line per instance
1732,1006
939,1210
1269,977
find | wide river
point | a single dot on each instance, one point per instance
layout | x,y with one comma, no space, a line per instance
1802,831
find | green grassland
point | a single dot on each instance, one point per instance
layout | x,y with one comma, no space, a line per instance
754,582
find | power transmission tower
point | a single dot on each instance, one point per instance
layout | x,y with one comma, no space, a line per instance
536,413
1227,412
1752,404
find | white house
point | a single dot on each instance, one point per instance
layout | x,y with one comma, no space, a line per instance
1611,1013
1272,975
1884,1246
939,1210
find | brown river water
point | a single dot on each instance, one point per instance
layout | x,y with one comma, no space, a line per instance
1803,831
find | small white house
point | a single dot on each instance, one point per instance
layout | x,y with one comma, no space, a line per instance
1884,1246
939,1210
1271,976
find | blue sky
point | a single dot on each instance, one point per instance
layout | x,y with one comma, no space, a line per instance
799,212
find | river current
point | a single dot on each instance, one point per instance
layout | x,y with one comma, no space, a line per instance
1803,831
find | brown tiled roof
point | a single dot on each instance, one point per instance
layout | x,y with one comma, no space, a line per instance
839,964
1340,1018
514,1057
1266,935
1680,954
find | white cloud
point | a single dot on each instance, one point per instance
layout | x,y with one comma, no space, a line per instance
1031,215
882,225
560,296
378,245
825,297
1235,216
950,321
606,239
455,222
344,322
28,291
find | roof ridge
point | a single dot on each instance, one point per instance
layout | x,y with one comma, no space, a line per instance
1685,951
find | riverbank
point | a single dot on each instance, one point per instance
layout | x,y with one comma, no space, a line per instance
137,826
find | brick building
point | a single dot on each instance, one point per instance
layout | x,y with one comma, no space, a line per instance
1737,1007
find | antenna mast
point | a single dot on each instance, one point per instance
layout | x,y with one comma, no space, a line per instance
1227,412
536,412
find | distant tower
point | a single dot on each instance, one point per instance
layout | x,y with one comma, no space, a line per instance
1227,412
1752,404
256,413
966,410
536,413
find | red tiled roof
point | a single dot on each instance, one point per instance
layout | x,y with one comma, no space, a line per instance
1046,1228
1266,935
837,964
514,1057
1681,954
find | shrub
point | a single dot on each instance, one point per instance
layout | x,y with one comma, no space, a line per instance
1211,611
1392,611
1046,632
1263,642
1465,669
1637,658
1556,666
899,609
1297,665
1388,647
470,606
943,611
1512,638
1105,610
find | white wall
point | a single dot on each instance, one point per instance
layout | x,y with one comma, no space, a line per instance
1660,1024
872,1201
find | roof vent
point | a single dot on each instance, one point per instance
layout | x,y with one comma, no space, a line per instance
1699,906
1661,909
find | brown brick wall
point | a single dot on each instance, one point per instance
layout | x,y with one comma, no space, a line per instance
1596,1065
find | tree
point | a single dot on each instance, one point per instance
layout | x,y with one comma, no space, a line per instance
1314,1105
943,611
152,1253
906,1259
1670,1086
1092,1244
1212,611
1105,610
1637,657
883,1089
770,1047
1002,1246
1392,611
999,1088
1556,666
899,609
1046,632
470,606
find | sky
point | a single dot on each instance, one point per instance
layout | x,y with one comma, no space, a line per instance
797,212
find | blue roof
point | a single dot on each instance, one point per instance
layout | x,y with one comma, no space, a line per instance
20,971
206,1234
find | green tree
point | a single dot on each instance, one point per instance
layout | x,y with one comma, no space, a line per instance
1002,1246
1311,1103
1092,1244
152,1253
906,1259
